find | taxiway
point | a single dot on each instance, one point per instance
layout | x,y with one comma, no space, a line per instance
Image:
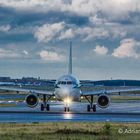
116,112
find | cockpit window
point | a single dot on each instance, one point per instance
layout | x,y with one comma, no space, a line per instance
74,83
69,82
63,82
59,83
66,82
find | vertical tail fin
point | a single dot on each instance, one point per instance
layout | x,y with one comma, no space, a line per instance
70,59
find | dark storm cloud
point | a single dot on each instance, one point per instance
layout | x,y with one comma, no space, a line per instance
88,24
15,38
9,15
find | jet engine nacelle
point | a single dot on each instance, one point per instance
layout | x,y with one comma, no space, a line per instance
32,100
103,101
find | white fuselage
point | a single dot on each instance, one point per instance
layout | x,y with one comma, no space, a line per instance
67,87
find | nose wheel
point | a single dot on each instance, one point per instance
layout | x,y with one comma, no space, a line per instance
66,109
67,102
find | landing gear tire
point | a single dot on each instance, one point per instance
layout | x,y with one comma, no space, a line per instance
68,109
88,108
42,107
48,107
94,108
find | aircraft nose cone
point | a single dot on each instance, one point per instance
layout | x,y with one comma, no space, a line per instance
66,91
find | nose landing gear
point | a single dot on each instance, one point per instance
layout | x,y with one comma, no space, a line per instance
66,109
67,102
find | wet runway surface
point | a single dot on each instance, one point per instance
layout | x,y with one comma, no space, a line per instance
116,112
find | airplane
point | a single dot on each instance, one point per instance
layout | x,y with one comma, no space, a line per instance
68,89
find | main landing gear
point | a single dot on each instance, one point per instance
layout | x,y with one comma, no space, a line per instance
91,105
45,105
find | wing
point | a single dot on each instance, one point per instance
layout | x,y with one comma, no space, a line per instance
27,90
111,92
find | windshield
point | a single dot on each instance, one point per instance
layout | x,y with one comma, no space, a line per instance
66,83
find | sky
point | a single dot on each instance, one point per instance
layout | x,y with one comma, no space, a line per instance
35,35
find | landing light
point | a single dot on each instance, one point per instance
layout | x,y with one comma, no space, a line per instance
82,97
67,101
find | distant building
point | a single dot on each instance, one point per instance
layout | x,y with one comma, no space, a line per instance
5,79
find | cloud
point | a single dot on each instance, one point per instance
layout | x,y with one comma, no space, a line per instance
58,31
97,20
25,52
128,48
100,50
5,28
117,32
92,33
40,5
118,8
4,53
61,30
67,34
51,56
13,51
121,10
47,32
98,12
